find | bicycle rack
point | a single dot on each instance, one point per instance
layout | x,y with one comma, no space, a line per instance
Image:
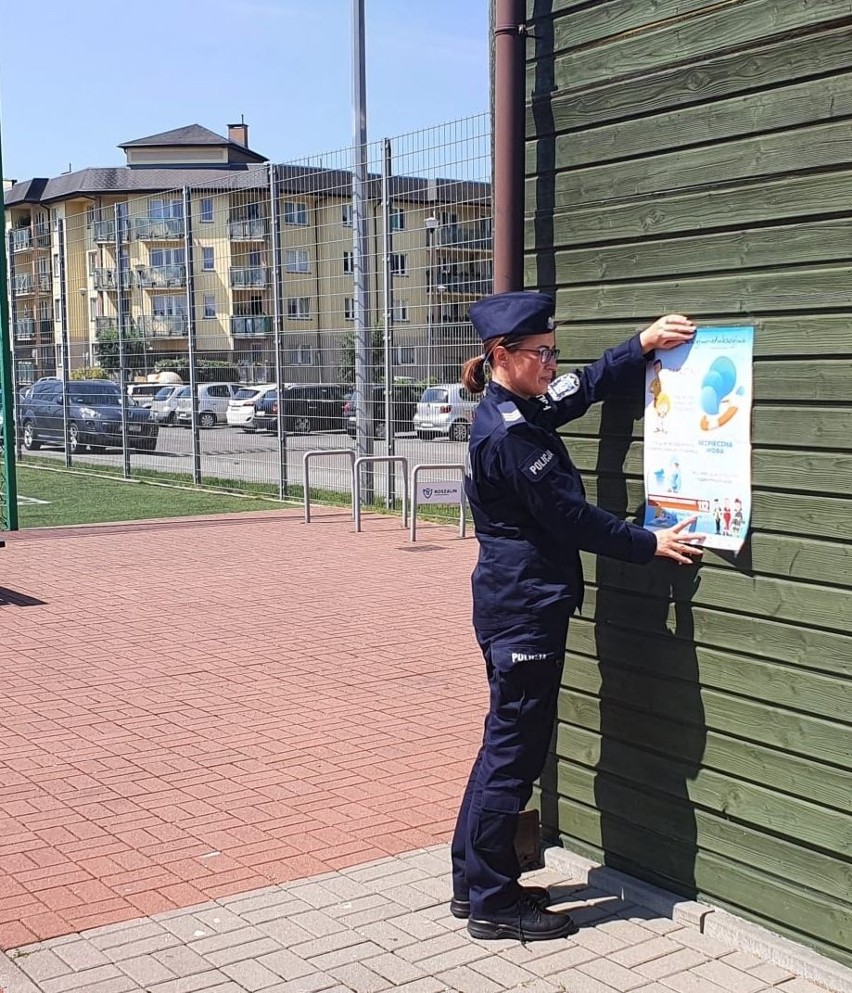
462,504
307,486
356,484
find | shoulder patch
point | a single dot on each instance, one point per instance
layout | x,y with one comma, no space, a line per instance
564,386
538,466
509,412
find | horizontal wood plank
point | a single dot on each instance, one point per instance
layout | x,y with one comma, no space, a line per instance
727,251
659,213
702,80
778,683
799,335
767,638
724,27
806,103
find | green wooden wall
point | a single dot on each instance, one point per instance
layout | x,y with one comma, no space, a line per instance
696,156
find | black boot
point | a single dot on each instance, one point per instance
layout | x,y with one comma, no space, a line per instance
461,908
524,921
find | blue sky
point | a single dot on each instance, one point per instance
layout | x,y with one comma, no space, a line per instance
73,86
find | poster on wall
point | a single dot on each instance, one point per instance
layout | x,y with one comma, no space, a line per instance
698,435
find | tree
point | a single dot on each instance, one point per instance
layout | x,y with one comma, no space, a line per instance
375,359
108,353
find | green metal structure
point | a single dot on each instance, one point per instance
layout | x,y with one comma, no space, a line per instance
8,477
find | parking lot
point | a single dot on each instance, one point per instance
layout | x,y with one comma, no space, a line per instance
228,453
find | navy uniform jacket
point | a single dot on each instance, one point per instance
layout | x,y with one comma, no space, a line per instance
530,511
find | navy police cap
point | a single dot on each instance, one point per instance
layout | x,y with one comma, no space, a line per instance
517,313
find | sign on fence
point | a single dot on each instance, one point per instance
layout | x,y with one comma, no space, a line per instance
440,492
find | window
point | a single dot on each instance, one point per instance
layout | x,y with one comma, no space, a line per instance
400,310
349,308
303,355
397,219
93,261
298,308
208,260
446,217
164,305
295,212
56,267
209,305
346,215
167,256
90,216
296,260
162,209
405,355
348,263
207,210
57,310
399,264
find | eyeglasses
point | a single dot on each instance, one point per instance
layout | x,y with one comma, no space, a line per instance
544,353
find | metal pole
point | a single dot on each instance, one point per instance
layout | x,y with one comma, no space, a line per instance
65,351
387,306
509,89
363,372
122,356
7,386
277,329
190,317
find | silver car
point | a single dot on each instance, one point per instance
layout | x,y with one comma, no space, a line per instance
212,404
164,403
447,410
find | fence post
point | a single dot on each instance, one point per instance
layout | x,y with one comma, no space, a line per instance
190,328
122,356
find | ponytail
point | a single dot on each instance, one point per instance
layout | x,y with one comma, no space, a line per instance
473,371
473,374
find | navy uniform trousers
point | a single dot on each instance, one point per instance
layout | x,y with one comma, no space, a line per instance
518,728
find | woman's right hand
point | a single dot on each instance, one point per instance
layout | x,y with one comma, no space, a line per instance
672,543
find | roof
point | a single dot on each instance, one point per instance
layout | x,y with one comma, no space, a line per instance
292,179
192,134
195,136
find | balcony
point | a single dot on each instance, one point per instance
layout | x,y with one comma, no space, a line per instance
252,230
155,277
23,284
466,284
41,233
159,228
254,325
106,279
110,324
164,326
24,330
253,277
44,282
22,239
475,236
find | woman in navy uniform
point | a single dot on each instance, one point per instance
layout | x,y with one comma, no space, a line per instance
532,520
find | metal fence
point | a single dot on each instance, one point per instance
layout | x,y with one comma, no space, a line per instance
248,323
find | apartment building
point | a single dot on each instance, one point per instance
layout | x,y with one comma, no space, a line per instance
198,242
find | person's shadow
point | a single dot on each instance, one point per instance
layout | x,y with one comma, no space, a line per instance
652,727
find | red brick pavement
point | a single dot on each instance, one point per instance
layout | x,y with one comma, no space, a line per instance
196,708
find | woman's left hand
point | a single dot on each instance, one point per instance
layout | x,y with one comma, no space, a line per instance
667,332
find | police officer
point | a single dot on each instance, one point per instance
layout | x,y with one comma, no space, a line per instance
532,519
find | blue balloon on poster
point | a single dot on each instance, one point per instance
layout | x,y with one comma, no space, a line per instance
727,371
709,400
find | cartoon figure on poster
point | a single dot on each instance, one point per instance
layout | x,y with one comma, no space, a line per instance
697,444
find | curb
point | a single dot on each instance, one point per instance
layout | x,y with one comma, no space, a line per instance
715,923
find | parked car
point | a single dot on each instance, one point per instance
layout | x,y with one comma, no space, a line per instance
404,398
445,410
307,407
212,404
241,407
143,393
94,417
164,403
